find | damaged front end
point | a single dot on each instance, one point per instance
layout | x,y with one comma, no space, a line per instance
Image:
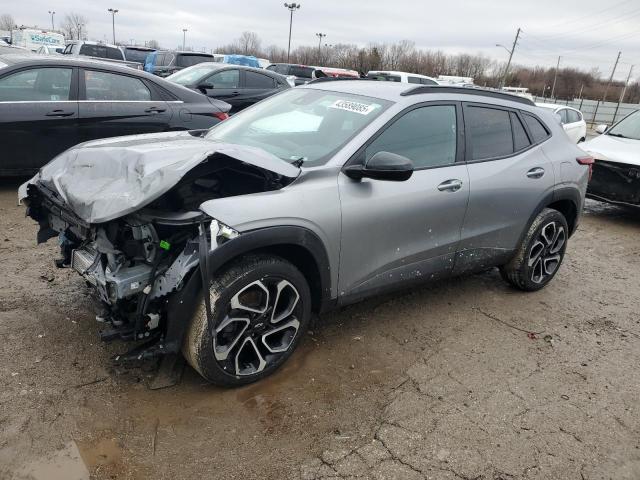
142,266
614,182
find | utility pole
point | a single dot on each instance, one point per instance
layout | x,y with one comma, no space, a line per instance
622,94
52,13
113,22
292,7
555,77
606,89
320,36
506,70
184,38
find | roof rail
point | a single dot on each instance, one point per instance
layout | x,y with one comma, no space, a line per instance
334,79
466,91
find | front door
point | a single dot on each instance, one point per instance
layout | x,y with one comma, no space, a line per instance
113,104
396,232
226,87
38,117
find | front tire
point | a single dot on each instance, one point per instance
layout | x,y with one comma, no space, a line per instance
540,254
261,308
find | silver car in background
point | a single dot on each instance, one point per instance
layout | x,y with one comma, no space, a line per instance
317,197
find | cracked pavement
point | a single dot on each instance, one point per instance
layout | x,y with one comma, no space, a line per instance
439,382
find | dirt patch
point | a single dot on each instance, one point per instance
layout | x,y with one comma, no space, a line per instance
434,382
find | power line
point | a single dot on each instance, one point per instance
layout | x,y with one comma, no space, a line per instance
592,14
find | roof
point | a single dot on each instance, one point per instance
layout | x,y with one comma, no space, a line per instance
394,72
186,52
91,42
396,91
65,60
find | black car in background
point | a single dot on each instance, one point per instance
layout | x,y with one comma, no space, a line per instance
48,104
165,62
237,85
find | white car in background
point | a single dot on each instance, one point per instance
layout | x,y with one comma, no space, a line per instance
402,77
572,121
616,171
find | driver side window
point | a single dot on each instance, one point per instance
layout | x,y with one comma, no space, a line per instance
225,79
426,135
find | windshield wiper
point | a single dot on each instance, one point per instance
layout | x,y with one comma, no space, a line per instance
619,135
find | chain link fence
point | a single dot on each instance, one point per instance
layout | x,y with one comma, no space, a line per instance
595,112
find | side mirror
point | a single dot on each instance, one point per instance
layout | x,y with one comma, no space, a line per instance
382,166
600,129
203,87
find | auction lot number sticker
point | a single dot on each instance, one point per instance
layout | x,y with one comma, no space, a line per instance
355,107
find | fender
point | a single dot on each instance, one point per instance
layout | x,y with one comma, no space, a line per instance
181,306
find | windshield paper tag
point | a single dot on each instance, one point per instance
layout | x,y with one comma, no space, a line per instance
355,107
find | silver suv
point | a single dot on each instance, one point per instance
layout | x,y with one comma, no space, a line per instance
315,198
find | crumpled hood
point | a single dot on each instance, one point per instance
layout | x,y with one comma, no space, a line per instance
110,178
614,149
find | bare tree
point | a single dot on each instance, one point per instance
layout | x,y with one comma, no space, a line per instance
74,26
249,43
7,22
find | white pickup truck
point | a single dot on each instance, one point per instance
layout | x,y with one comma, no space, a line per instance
99,51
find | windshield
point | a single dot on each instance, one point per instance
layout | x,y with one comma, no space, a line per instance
188,60
135,55
190,75
383,77
628,127
303,125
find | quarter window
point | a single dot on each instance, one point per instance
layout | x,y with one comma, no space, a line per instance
538,131
520,138
489,131
225,79
573,116
413,79
257,80
111,86
425,135
37,85
563,116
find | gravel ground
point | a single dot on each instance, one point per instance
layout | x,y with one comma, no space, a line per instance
439,382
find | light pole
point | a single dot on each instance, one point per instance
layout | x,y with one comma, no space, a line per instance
52,13
320,37
292,7
113,22
184,38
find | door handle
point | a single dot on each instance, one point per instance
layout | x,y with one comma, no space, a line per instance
450,185
536,172
155,110
59,113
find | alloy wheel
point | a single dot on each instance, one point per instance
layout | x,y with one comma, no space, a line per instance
545,254
258,328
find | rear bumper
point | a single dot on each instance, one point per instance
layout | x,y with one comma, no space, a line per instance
617,183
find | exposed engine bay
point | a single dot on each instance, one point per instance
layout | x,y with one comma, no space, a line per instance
615,182
136,262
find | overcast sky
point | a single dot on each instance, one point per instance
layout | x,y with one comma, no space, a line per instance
587,33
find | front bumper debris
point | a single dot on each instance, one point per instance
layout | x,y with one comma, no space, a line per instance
617,183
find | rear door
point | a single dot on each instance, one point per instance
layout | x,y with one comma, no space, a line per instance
394,232
38,116
255,87
510,177
114,104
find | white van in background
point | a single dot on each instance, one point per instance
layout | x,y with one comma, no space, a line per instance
402,77
32,39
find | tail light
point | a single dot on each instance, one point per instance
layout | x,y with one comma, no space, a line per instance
221,115
587,160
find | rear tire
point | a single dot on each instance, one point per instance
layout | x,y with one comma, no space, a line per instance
540,254
261,308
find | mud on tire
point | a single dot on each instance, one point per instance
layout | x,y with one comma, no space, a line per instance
261,307
540,254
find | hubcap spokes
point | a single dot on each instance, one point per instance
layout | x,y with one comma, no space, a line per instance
545,254
259,327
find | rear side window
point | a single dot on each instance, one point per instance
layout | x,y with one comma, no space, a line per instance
520,138
425,135
426,81
489,132
111,86
573,116
93,50
257,80
538,131
413,79
563,116
302,72
36,85
114,53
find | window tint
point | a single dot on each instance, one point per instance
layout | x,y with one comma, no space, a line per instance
188,60
538,131
413,79
302,72
225,79
426,135
114,53
93,50
489,131
257,80
573,116
520,139
36,85
111,86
